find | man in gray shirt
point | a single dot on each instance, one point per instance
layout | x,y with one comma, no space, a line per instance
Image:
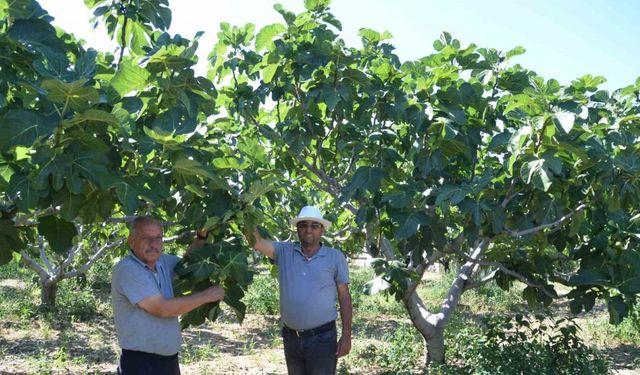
311,276
144,308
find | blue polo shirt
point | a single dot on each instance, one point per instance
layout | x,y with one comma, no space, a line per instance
132,281
308,288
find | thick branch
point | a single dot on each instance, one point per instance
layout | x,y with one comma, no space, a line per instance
73,251
344,233
464,274
99,253
44,257
303,105
451,248
324,183
328,184
30,220
421,269
31,263
455,245
190,233
385,246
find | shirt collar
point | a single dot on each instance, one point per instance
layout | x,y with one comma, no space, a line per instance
321,252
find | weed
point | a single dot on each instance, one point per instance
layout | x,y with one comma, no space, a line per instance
401,351
192,353
370,305
98,276
524,345
41,363
262,296
18,294
627,332
74,304
249,346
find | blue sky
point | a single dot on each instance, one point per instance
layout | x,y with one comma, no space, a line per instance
564,39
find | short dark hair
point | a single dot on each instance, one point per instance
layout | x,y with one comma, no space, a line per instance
139,220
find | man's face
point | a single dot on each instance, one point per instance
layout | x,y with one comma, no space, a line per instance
146,242
309,232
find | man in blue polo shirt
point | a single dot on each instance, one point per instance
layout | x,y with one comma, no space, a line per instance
311,276
144,308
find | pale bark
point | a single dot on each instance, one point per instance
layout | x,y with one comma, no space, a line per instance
49,276
432,325
464,275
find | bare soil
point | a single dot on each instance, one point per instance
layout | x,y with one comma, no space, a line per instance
39,346
224,347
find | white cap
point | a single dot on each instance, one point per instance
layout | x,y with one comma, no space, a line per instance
311,213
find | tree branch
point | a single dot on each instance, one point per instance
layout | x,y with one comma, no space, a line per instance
352,162
421,269
330,185
502,268
346,232
385,246
31,263
43,256
464,274
123,39
450,248
73,250
557,223
99,253
317,160
29,221
510,194
481,282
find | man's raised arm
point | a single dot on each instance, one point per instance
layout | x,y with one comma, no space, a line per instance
263,245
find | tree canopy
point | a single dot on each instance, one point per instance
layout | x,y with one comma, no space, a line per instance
460,156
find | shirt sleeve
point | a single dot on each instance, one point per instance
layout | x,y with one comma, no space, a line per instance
277,251
135,284
342,270
171,261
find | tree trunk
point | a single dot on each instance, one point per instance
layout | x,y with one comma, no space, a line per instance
434,350
432,325
431,328
48,291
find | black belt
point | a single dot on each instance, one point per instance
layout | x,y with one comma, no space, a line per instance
313,331
136,353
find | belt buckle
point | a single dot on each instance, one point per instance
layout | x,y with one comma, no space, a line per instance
298,332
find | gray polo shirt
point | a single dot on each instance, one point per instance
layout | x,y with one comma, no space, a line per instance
308,287
132,281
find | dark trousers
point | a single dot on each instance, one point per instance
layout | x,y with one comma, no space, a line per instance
311,352
140,363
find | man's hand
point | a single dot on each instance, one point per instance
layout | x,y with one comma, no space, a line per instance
261,244
344,346
198,242
202,234
213,293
